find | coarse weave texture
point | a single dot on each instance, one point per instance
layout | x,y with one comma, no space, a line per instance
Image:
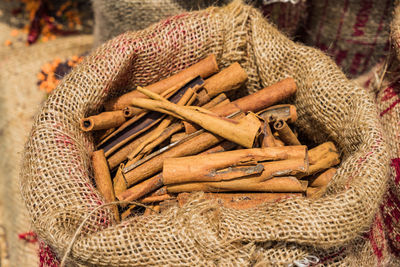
388,101
20,101
113,17
354,32
57,180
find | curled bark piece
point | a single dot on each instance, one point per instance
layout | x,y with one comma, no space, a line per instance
277,184
128,212
178,136
212,167
315,192
203,68
141,189
285,133
103,121
228,79
240,201
192,146
122,154
321,158
323,179
129,112
103,179
152,199
261,99
224,146
283,112
268,138
242,133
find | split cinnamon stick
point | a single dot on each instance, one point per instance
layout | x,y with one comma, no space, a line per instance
122,154
203,68
228,79
321,158
103,121
277,184
212,167
285,133
141,189
283,112
242,133
152,199
178,136
268,138
224,146
239,201
192,146
261,99
323,179
103,179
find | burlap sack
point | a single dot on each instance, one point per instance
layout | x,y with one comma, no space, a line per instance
66,209
113,17
20,101
387,87
355,33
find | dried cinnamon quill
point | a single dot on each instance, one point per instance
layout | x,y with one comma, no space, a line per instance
203,68
215,167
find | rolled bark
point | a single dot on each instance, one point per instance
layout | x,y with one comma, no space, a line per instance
323,179
103,179
152,199
261,99
277,184
151,210
285,112
242,133
268,139
152,136
228,79
315,192
103,121
203,68
129,112
224,146
285,133
321,158
192,146
202,168
127,212
141,189
178,136
240,201
122,154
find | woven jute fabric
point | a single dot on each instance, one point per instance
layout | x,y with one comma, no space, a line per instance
57,179
20,101
113,17
355,33
387,88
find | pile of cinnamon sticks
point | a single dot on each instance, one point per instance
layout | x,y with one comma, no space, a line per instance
158,144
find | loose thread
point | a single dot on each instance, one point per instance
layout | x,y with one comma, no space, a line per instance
79,229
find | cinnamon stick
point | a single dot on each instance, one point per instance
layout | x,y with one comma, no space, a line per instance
203,68
315,192
141,189
285,112
323,179
103,121
127,212
122,154
228,79
321,158
152,199
239,201
276,184
261,99
103,179
224,146
285,133
192,146
177,137
268,138
212,167
242,133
